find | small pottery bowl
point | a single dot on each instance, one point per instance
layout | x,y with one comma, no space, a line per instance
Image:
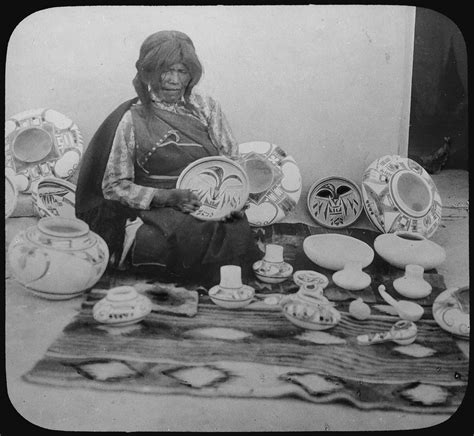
231,298
271,272
309,277
122,306
318,316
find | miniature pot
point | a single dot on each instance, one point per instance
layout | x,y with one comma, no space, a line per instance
351,277
58,258
412,284
403,248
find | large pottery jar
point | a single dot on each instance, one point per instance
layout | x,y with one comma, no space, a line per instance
59,258
404,248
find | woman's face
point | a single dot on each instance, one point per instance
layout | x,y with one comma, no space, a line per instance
172,83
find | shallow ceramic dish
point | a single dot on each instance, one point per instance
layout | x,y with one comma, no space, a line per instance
270,272
310,316
451,311
309,277
334,251
52,196
122,306
231,298
399,194
11,195
220,183
41,143
275,182
334,202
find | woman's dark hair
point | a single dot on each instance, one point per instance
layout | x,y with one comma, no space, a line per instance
157,53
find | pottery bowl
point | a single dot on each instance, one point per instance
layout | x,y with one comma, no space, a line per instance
451,311
309,277
52,196
231,298
310,316
333,251
270,272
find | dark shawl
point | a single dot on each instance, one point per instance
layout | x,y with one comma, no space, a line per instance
104,217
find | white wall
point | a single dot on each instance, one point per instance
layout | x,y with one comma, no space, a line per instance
330,84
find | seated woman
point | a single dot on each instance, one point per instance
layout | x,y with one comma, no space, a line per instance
130,169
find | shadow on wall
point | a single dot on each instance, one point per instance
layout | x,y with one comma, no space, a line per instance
438,135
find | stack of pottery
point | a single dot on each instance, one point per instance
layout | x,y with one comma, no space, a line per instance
231,293
59,258
272,268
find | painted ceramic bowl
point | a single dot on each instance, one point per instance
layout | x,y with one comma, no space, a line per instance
58,258
405,248
220,183
334,202
275,182
333,251
400,195
122,306
309,277
451,311
52,196
317,316
41,143
231,298
272,272
11,195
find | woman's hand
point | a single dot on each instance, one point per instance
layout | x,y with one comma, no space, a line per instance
183,200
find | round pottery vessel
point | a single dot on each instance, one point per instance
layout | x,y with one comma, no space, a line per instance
122,306
412,284
58,258
333,251
403,248
53,196
303,312
399,194
272,268
309,277
351,277
451,311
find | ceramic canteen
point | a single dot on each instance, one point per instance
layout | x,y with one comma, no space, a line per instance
402,332
58,258
122,306
272,268
407,310
231,293
351,277
404,248
412,284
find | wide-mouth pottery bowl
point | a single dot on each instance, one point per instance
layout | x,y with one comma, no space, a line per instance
272,272
333,251
41,143
318,316
53,196
122,306
220,183
334,202
399,194
231,298
451,311
309,277
11,195
275,182
403,248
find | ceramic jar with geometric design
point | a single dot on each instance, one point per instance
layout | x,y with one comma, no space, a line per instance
58,258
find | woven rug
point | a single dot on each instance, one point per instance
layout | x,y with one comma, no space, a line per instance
190,346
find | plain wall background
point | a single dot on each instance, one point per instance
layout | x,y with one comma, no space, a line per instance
330,84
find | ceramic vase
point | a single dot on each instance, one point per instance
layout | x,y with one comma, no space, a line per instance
122,306
404,248
272,268
58,258
412,284
351,277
